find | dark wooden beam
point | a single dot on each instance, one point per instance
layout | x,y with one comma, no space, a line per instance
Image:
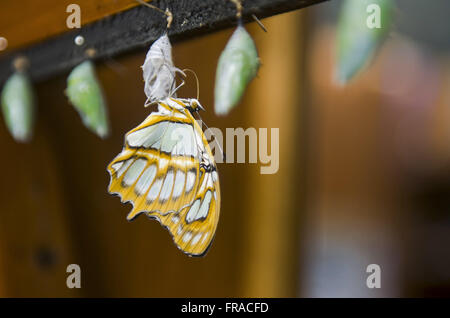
137,28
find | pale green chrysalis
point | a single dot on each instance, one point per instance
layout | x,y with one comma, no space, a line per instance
18,106
362,27
85,94
238,65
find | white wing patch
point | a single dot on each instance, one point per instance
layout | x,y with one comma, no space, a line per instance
180,180
145,180
121,167
191,177
134,171
167,187
196,238
146,137
204,208
170,137
191,216
154,191
199,210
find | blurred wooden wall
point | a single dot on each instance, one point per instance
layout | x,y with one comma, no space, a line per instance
379,173
55,209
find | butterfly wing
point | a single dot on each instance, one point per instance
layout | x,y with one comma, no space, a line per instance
167,171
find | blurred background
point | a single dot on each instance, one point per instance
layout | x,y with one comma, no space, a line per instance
364,174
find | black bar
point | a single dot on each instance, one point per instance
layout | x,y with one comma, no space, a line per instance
213,307
137,28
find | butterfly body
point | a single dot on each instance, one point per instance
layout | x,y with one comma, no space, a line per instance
167,171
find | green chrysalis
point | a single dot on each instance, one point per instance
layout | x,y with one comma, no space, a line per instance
18,106
238,65
86,96
362,27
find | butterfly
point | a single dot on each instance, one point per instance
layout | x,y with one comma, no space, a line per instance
167,171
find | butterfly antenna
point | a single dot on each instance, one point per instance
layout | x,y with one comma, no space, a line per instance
215,139
196,79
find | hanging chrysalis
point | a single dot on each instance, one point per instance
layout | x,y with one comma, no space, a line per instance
362,28
159,72
18,105
158,69
85,94
238,65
